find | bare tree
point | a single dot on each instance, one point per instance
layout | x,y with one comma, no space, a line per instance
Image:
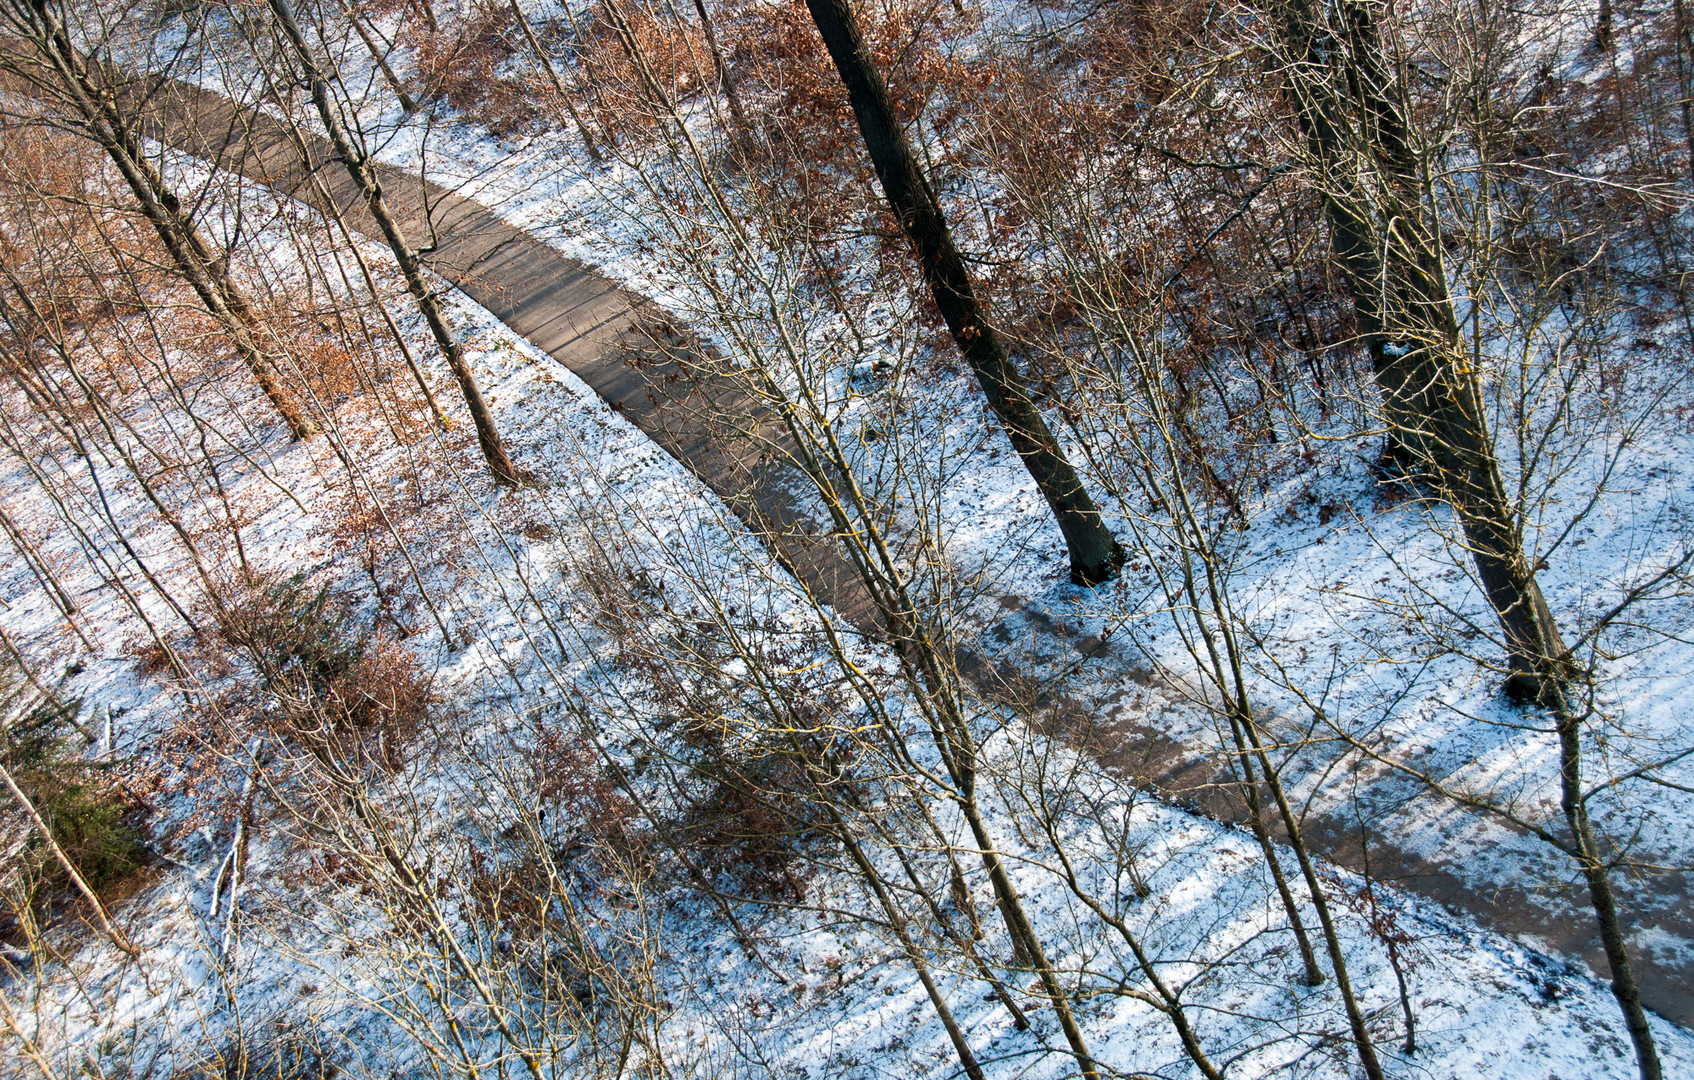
720,66
91,94
1372,167
356,160
1365,161
1095,556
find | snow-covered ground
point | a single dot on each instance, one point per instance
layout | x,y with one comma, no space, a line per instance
1334,566
1323,573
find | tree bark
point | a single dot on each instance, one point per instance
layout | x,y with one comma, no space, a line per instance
358,167
1680,27
1094,553
1389,254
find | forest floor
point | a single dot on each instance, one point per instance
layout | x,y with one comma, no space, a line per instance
1108,694
554,303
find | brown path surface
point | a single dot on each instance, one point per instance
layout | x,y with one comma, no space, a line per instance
592,326
576,316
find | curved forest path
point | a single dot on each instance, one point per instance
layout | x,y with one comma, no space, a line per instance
594,327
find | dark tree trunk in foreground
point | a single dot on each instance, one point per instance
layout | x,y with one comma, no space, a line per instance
358,165
1094,553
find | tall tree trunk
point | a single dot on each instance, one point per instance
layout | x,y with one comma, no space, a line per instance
1094,553
97,109
1389,248
1390,257
358,165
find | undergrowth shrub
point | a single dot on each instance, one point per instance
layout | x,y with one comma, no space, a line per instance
472,69
674,52
50,211
95,821
583,801
733,796
749,815
541,932
280,1049
339,693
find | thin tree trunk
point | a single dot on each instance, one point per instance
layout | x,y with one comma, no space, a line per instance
736,112
607,135
559,90
1313,975
1017,918
38,566
189,252
1598,878
427,10
1332,940
896,919
1094,553
102,415
44,574
381,59
108,927
103,567
332,210
1229,679
1685,86
924,667
1386,933
359,168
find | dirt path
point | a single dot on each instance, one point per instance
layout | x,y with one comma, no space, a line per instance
579,318
593,326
